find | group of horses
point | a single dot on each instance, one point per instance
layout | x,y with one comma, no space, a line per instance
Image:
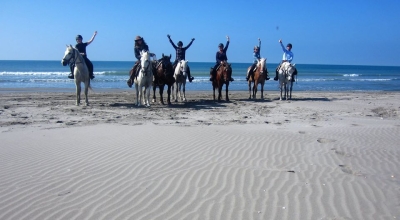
159,73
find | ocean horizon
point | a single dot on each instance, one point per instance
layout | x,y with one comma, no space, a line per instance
41,74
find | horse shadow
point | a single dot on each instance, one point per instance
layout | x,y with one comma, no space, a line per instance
199,104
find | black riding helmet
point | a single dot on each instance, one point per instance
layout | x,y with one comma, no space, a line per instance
220,45
78,37
180,44
289,45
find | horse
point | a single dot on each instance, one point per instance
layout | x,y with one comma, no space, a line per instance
144,79
81,72
164,75
223,75
285,79
259,77
180,80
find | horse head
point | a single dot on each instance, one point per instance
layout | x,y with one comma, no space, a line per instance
144,61
68,55
183,66
166,64
287,69
262,65
226,71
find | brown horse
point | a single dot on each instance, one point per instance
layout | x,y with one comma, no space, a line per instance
164,75
223,75
259,77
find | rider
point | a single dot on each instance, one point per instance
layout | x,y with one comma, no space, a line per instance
287,57
256,57
220,58
81,47
140,45
180,54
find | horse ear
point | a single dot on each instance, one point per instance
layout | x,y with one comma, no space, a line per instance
162,54
169,56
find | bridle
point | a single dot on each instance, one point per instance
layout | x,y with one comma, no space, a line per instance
73,57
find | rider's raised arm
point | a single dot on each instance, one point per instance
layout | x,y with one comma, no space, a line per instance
170,40
190,44
283,47
226,46
91,39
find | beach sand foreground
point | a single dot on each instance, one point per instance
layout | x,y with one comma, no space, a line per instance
320,156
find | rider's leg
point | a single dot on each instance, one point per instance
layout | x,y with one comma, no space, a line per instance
213,72
190,77
71,74
276,72
251,72
132,74
89,65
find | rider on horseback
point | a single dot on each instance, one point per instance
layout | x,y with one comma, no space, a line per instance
180,54
256,57
287,57
220,58
81,47
140,45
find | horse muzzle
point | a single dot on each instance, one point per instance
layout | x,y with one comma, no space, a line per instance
64,62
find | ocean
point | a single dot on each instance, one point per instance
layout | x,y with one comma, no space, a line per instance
113,75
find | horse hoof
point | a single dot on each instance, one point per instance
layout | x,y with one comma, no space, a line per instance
153,100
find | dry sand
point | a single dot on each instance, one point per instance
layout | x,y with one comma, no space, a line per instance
318,156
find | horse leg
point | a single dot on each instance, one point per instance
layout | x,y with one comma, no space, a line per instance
184,91
161,88
262,90
281,88
169,94
137,94
176,91
250,90
86,92
214,92
219,92
147,92
291,87
78,92
226,93
154,92
255,90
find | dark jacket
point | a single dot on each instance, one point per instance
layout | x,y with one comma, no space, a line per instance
140,48
222,56
180,52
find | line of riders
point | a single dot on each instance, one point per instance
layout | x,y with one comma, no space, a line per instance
220,57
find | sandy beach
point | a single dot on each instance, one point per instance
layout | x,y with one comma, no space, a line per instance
321,155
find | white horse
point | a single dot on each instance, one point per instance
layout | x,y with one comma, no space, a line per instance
81,72
180,76
285,79
144,80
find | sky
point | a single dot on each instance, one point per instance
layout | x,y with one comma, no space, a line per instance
340,32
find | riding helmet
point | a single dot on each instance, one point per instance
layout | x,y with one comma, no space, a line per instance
78,37
289,45
180,44
256,47
220,45
138,38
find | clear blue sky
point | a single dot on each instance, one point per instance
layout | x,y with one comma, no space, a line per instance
355,32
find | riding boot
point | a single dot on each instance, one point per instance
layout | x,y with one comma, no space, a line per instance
212,74
267,76
190,77
132,75
71,74
276,75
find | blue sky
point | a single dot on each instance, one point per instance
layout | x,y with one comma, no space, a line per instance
354,32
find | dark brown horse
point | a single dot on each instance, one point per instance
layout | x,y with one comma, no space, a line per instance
164,75
224,73
259,77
